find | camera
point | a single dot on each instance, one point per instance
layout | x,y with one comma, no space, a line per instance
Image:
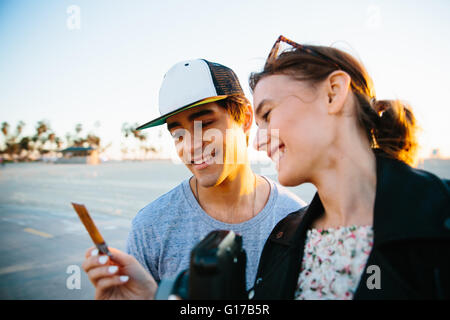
216,270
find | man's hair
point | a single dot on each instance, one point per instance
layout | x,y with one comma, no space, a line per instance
236,105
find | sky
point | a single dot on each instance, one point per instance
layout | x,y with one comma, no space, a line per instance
101,62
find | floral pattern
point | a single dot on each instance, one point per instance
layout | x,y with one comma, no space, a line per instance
333,262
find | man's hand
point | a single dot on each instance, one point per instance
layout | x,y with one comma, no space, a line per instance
118,277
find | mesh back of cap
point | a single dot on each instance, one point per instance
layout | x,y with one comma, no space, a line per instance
225,80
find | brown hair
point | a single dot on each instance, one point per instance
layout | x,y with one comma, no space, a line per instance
236,105
390,125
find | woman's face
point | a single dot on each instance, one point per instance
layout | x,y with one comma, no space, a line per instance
294,127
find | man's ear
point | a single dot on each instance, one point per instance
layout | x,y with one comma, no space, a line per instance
248,119
337,86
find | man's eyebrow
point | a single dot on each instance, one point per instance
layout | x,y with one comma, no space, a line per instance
261,105
191,117
200,113
172,125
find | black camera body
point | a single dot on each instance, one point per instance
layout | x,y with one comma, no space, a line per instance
216,270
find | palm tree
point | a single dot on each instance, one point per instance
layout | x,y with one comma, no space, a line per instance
42,127
19,127
20,143
58,142
69,139
78,128
5,128
126,129
39,138
77,140
93,140
24,144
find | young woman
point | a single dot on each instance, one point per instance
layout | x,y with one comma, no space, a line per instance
377,228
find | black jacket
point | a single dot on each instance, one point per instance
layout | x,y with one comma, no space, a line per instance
411,245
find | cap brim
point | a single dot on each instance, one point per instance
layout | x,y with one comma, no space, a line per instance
161,120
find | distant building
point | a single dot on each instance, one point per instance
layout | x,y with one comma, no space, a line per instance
80,155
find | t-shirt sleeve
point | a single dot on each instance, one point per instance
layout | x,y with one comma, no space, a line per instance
139,246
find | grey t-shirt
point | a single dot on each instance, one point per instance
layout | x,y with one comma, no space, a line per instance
164,232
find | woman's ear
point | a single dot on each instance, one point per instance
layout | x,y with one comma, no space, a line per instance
337,88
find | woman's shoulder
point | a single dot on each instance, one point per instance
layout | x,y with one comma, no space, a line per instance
431,179
407,194
414,180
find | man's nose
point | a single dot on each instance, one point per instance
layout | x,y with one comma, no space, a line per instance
195,146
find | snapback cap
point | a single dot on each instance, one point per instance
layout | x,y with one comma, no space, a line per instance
192,83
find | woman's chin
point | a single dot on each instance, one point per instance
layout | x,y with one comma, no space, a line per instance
285,179
286,182
288,178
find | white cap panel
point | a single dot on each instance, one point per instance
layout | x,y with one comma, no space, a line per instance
197,84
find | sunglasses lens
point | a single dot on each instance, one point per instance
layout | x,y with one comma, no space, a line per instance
279,47
274,52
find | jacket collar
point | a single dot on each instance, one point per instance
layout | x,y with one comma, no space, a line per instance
409,204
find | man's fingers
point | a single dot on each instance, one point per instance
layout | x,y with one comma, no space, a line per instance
116,255
95,274
103,271
90,251
94,262
120,257
110,282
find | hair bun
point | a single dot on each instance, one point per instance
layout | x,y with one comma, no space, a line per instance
395,133
380,106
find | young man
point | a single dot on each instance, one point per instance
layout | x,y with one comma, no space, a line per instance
209,117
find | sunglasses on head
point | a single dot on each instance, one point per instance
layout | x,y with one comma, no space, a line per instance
275,51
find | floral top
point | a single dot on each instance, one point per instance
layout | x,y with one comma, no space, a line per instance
333,262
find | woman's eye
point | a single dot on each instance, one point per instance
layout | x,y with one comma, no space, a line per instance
266,116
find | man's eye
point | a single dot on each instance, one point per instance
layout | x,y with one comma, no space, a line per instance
177,135
206,123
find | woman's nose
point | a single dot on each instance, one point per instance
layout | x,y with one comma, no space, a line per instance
261,139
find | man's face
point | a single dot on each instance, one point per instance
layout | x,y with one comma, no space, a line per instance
209,142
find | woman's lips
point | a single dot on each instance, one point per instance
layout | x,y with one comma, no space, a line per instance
276,153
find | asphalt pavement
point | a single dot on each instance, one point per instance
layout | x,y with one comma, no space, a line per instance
41,252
